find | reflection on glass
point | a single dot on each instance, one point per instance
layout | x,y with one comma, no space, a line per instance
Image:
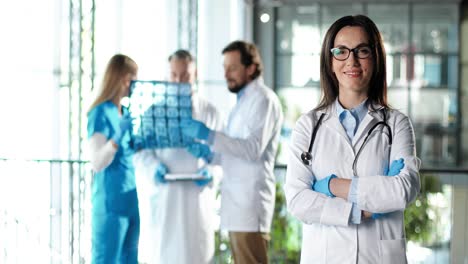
435,28
395,32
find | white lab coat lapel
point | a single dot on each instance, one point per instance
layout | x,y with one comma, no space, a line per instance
332,122
369,120
235,127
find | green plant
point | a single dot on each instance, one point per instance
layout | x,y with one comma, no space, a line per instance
222,249
418,226
285,233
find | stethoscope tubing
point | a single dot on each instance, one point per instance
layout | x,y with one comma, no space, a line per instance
307,156
384,123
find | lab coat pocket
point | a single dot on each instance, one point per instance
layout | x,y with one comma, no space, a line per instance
393,251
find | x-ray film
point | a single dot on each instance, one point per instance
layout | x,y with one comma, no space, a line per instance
158,109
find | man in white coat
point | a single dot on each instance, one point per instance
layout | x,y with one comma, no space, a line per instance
179,225
246,150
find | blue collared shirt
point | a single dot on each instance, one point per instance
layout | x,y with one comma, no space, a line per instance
350,120
240,93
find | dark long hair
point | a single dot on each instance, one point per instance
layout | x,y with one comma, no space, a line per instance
377,92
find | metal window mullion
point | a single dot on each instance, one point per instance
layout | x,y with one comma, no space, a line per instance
194,26
459,123
275,48
86,85
74,96
410,55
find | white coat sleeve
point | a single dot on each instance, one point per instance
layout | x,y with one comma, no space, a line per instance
264,123
215,122
209,114
383,194
302,202
102,151
146,162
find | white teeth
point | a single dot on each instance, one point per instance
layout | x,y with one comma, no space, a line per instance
352,73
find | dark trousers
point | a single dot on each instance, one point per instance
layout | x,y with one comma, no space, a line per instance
249,247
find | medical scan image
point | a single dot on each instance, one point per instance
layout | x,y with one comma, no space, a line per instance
159,108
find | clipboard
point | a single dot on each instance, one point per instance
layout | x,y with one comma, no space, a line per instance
182,177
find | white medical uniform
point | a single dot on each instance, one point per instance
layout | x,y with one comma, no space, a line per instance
181,217
248,148
328,237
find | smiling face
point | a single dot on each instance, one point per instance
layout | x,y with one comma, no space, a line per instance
353,74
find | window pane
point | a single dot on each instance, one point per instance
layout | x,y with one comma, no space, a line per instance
332,12
298,70
434,116
394,31
30,80
435,28
298,30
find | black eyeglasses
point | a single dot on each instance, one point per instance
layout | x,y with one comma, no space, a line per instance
342,53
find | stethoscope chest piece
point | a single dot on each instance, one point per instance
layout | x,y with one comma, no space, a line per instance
306,157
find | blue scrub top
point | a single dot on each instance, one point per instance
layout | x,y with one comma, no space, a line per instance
113,188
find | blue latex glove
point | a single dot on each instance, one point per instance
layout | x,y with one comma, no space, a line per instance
199,150
161,171
395,167
195,129
125,124
394,170
323,185
207,178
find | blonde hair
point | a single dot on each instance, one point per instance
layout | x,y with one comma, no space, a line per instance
118,67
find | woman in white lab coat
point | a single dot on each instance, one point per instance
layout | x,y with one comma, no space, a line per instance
337,182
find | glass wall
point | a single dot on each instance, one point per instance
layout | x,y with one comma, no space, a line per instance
422,63
421,41
30,55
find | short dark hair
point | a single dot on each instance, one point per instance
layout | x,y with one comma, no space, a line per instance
377,92
249,55
181,54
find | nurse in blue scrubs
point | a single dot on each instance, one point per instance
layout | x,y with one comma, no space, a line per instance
115,218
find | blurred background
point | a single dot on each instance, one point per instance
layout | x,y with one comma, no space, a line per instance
54,52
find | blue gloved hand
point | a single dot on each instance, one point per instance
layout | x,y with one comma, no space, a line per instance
125,124
323,185
395,167
195,129
394,170
161,171
199,150
207,178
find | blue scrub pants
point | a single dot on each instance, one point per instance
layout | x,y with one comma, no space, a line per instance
115,238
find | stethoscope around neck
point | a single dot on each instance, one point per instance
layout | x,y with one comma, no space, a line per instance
306,156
